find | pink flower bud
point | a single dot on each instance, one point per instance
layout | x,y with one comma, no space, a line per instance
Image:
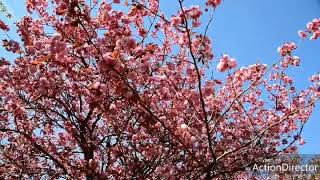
302,34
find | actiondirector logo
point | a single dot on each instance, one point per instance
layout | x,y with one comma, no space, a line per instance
284,167
299,164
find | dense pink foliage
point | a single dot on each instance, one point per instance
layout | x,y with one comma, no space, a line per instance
106,94
313,28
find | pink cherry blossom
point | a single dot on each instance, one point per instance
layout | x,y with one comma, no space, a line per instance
313,29
116,1
296,61
126,43
214,3
226,63
3,26
176,21
287,48
112,90
302,34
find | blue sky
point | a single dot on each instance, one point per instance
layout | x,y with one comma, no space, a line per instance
251,30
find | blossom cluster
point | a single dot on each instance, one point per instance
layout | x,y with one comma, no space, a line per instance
226,63
290,60
316,80
213,3
193,13
287,48
11,45
313,28
3,26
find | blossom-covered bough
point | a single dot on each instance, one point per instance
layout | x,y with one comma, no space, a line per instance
100,93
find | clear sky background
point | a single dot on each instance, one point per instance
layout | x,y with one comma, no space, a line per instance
251,30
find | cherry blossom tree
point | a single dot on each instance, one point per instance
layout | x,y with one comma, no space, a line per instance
95,92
